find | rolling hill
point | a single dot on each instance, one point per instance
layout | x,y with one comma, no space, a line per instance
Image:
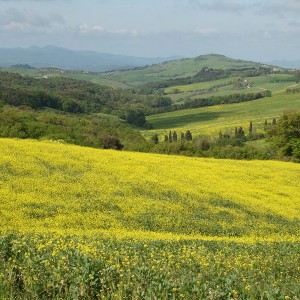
177,69
158,72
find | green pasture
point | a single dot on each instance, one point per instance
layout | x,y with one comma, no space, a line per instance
210,120
177,69
198,86
212,88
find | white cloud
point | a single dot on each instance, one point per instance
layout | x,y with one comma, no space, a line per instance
98,28
87,29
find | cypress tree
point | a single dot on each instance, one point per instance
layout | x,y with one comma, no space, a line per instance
250,130
250,127
182,136
240,133
236,132
155,139
174,136
188,135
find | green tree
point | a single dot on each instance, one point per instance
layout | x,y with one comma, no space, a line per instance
182,138
250,134
170,137
250,127
154,138
111,142
175,138
235,132
284,135
240,133
188,135
136,117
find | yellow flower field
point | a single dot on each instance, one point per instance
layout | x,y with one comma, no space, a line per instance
82,223
50,187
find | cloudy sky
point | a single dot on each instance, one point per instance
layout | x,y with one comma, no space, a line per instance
260,30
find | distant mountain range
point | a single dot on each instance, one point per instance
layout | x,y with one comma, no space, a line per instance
51,56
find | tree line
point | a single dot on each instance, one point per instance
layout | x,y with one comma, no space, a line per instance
213,100
282,135
282,141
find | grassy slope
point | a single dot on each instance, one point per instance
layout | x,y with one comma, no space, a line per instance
48,73
176,69
272,82
159,72
48,187
210,120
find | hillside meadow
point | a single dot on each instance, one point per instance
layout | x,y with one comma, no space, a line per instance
210,120
231,85
82,223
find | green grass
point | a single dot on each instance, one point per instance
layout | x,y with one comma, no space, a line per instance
53,267
210,120
198,86
177,69
272,82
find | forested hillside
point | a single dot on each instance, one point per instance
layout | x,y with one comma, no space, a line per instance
76,96
99,131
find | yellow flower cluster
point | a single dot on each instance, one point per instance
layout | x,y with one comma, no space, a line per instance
47,187
87,268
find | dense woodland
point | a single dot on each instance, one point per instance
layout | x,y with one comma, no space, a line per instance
75,96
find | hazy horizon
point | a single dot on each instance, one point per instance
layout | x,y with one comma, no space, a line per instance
253,30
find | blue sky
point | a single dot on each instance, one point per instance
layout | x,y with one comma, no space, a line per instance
262,30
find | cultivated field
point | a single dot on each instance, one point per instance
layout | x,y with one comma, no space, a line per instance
81,223
228,86
210,120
